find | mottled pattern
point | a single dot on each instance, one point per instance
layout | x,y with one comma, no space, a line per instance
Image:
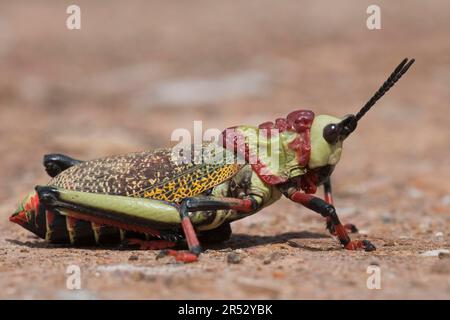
192,183
150,174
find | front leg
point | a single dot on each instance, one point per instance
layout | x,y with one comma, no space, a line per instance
328,211
328,195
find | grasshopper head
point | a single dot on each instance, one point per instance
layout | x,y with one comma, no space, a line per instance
328,133
322,151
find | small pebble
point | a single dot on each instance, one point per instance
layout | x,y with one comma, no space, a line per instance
293,244
439,235
414,193
390,244
363,232
274,256
444,255
425,226
133,257
234,258
445,200
434,253
374,263
386,218
441,267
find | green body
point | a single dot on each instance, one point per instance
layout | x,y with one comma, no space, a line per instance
164,213
148,187
158,193
80,184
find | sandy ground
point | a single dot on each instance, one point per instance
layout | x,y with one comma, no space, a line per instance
133,74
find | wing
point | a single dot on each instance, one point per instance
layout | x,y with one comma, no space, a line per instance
152,174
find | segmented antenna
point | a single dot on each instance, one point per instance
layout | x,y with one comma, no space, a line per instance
389,83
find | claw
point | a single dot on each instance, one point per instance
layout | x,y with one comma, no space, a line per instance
368,246
360,244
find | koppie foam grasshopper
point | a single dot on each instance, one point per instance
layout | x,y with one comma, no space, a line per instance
157,200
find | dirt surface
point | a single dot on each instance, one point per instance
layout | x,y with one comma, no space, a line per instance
134,73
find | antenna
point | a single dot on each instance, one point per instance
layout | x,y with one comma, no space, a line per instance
389,83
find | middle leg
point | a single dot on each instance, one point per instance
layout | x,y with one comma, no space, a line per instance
200,204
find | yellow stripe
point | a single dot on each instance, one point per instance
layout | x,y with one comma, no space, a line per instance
70,230
96,229
192,184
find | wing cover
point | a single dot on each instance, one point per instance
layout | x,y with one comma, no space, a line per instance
154,174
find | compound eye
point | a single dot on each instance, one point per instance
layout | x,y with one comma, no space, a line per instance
331,133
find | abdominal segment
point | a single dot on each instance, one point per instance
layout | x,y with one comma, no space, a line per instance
60,226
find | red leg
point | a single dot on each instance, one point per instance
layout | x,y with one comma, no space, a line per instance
328,196
328,211
191,239
198,204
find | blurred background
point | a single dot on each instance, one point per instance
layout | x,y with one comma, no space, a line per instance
138,70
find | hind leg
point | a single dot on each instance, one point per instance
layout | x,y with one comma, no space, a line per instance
200,204
56,163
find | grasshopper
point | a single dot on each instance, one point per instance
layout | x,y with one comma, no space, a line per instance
156,200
